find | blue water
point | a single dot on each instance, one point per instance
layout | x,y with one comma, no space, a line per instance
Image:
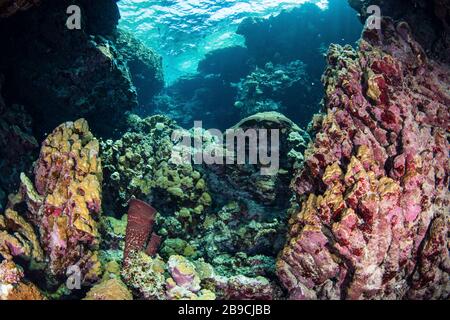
183,31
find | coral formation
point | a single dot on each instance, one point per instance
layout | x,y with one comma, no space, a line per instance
144,64
140,165
210,93
65,203
373,216
112,289
17,238
356,207
145,276
276,88
281,39
183,279
429,21
231,63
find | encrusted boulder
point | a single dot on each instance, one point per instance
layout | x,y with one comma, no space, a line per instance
64,203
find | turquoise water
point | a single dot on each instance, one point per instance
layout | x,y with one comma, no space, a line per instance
183,31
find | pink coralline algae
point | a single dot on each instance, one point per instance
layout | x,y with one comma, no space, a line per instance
373,218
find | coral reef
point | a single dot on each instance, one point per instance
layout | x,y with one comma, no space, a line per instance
13,286
144,64
65,203
209,94
372,220
231,63
247,178
183,279
281,39
276,88
140,165
356,207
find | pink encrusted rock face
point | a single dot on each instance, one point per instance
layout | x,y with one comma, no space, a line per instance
373,214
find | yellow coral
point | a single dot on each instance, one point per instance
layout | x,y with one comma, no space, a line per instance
112,289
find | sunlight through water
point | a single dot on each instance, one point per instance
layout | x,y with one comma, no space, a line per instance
183,31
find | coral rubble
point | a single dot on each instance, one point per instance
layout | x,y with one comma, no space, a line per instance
373,216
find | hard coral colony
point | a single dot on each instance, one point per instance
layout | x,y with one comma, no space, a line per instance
357,209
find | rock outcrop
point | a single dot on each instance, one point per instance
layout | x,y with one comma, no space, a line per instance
428,19
372,220
98,72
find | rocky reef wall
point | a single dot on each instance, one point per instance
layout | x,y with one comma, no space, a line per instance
97,72
428,19
373,201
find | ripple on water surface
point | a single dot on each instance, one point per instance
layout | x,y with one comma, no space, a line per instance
182,31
